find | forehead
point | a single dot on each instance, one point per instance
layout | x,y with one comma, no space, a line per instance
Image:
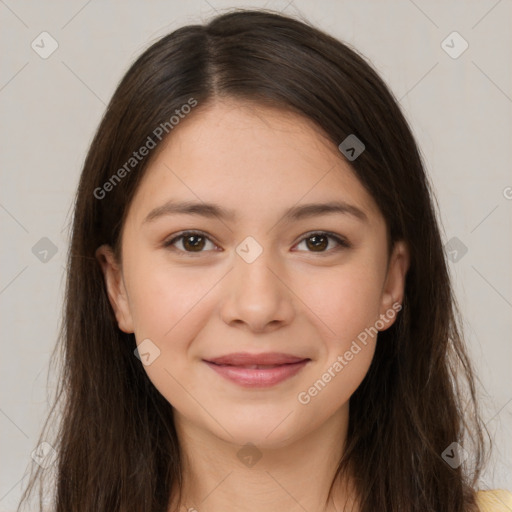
250,158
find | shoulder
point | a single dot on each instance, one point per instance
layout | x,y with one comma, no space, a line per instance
497,500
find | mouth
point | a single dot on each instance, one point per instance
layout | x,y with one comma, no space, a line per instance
257,370
252,366
265,359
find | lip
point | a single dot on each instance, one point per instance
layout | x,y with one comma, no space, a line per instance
243,368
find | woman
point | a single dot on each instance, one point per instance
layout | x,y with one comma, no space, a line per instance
259,313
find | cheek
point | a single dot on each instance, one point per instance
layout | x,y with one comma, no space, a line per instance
332,389
170,307
345,299
347,303
162,298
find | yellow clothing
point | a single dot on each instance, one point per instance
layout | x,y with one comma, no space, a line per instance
497,500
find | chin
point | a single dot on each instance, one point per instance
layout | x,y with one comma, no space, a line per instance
264,430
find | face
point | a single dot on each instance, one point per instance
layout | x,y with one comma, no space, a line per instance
253,271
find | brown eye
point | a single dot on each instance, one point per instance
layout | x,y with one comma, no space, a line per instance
194,243
319,242
189,241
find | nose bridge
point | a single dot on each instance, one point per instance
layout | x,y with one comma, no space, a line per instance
257,294
252,264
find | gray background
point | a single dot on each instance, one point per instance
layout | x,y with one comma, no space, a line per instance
459,109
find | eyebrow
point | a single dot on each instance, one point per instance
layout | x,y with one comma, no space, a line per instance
211,210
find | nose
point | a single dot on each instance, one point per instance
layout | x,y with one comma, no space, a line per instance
257,296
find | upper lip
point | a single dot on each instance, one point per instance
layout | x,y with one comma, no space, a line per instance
267,358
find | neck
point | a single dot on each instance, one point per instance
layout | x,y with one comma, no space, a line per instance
219,475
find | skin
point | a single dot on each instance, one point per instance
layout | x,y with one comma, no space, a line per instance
294,298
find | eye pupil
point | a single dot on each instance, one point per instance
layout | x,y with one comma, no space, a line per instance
196,246
319,242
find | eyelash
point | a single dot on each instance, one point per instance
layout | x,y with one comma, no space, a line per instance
342,242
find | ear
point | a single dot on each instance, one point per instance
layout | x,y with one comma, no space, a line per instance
394,286
115,287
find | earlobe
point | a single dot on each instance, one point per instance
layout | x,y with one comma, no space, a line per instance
394,286
115,287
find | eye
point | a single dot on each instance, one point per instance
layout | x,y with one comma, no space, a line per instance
190,241
195,242
319,242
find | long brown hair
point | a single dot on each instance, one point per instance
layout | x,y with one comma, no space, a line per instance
116,443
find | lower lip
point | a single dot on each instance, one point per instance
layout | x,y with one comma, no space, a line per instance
258,378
